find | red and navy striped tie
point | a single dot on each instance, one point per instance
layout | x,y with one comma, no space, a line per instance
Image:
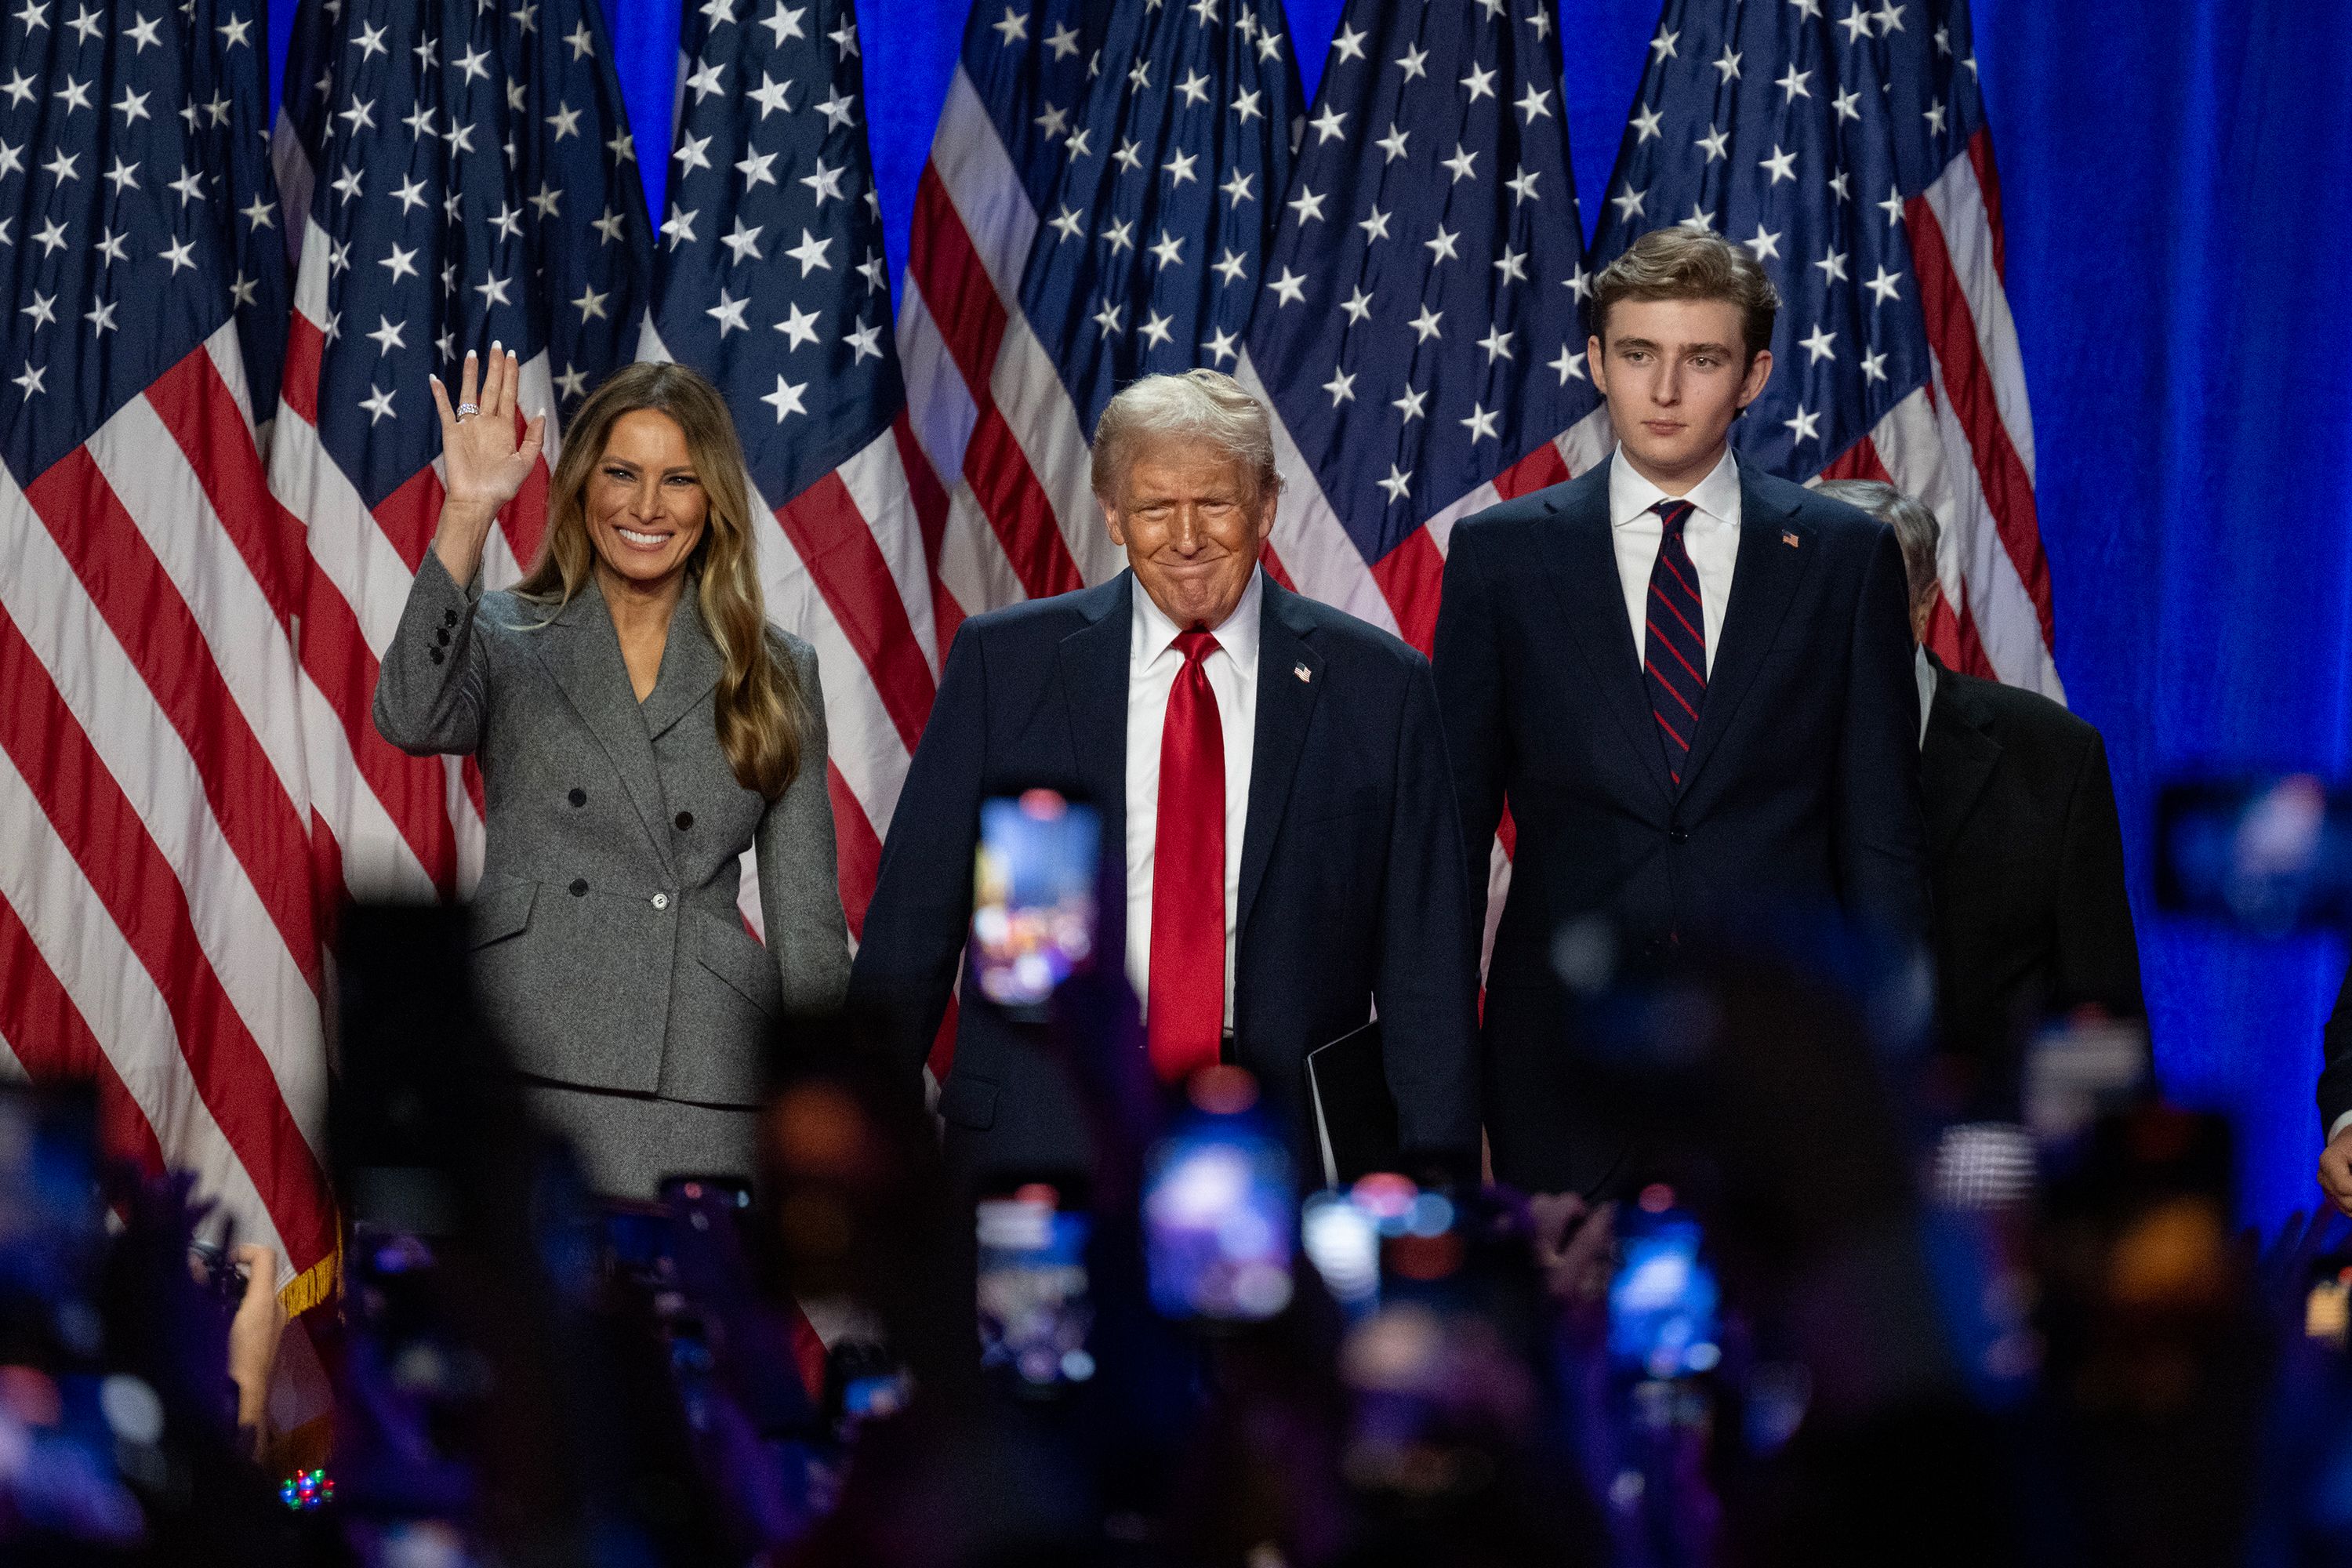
1674,653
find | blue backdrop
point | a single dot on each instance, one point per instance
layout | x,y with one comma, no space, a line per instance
2174,172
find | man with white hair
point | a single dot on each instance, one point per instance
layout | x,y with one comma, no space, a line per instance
1272,780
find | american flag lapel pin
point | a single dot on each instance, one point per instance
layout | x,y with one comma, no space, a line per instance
1788,537
1303,673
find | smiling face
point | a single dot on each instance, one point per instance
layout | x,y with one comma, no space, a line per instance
1193,520
1675,372
644,506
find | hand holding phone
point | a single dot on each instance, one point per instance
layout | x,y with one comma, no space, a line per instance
1574,1245
254,1334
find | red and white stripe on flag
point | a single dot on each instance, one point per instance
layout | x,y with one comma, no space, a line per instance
986,406
383,824
1964,444
156,918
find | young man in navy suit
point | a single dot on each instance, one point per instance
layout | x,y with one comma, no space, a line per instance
1689,680
1274,790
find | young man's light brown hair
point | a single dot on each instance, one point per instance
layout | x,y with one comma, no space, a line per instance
1682,263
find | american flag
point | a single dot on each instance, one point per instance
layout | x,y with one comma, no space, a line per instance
1847,148
1149,255
476,183
771,282
985,399
1097,202
156,917
1417,331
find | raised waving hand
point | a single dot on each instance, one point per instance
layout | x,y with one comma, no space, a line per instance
485,464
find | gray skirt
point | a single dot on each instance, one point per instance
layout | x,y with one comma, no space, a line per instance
626,1144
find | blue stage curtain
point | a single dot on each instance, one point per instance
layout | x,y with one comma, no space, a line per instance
2175,178
2175,174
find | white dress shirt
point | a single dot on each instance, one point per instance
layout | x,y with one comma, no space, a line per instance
1153,662
1926,673
1711,533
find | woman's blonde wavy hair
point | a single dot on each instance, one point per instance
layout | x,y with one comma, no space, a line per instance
759,704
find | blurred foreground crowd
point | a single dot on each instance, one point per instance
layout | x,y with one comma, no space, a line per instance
1831,1325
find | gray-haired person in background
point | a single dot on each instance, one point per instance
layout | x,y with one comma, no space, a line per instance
1275,802
2025,857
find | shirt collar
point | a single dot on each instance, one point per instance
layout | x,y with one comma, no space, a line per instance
1237,635
1631,495
1924,670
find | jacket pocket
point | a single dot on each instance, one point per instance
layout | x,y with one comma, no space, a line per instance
968,1101
501,913
1356,802
736,957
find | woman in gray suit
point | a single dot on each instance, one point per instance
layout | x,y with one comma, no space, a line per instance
638,725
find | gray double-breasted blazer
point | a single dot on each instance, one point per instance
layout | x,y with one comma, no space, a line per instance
608,949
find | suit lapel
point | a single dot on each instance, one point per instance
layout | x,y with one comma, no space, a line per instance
1763,583
1285,705
583,652
1580,564
690,668
1093,666
1955,762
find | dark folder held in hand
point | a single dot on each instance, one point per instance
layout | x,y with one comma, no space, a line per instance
1355,1120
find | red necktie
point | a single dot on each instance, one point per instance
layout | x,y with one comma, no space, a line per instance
1675,657
1184,1016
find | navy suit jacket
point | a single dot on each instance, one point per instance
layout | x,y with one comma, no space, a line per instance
1352,887
1801,784
2025,856
2336,1052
